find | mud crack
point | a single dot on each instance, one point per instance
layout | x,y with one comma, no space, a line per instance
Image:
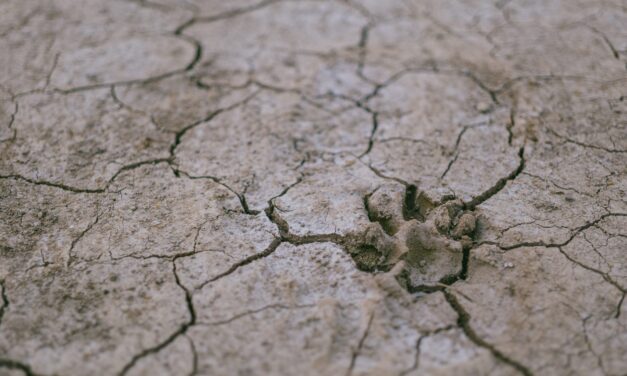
463,320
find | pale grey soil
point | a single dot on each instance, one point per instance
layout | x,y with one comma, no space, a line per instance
356,187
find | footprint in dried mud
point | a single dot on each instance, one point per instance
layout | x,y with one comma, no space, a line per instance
424,243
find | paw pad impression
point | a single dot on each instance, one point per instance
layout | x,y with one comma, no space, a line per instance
431,239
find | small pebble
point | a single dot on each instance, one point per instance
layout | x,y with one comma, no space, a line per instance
483,107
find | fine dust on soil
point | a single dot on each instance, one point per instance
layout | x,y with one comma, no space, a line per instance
313,187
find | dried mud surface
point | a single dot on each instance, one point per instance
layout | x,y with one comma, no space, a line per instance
357,187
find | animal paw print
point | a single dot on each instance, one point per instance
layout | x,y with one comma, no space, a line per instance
425,242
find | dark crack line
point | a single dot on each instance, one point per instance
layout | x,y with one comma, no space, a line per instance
547,180
360,345
192,346
240,196
576,232
619,307
5,300
52,184
80,236
584,145
178,136
492,93
590,347
55,61
172,257
373,131
512,123
281,224
506,86
154,5
68,188
257,256
594,248
238,316
316,238
11,122
449,165
463,320
181,331
223,16
607,41
197,56
362,46
284,231
148,80
122,104
605,276
500,184
362,104
380,174
286,236
418,345
285,190
14,364
170,160
404,139
43,264
271,212
197,53
380,86
432,69
455,150
133,166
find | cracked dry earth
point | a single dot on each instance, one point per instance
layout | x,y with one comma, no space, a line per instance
355,187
